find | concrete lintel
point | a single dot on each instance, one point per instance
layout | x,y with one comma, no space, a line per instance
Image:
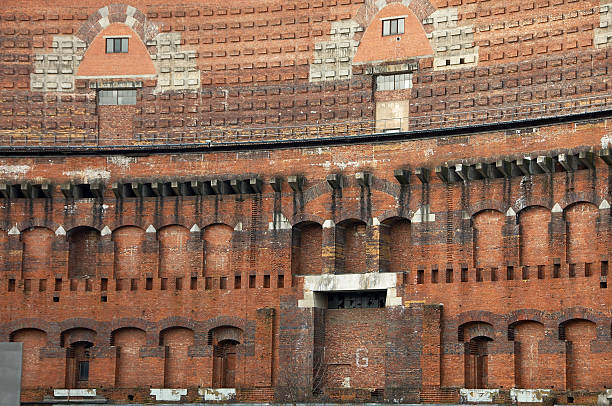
203,188
66,189
462,172
442,172
220,187
484,169
276,183
402,176
422,174
606,155
176,187
350,282
26,190
236,186
334,180
296,182
255,184
364,179
218,394
568,162
523,165
586,158
504,167
545,163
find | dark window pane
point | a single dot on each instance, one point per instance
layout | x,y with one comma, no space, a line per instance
84,371
117,44
109,46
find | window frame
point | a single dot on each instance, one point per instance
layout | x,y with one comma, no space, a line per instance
394,81
117,95
83,371
393,26
117,45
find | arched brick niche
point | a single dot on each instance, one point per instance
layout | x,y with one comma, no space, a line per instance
97,62
117,13
376,47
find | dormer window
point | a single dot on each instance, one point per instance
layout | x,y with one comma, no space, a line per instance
117,45
392,26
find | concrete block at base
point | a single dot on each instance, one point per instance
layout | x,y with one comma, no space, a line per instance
173,395
478,395
218,395
528,395
74,393
10,373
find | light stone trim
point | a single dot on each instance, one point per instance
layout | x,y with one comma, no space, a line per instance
449,42
333,58
79,393
173,395
314,284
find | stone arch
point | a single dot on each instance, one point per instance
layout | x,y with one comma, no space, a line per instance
534,235
33,341
218,250
37,222
37,252
306,248
128,254
366,13
351,242
581,220
173,253
395,245
225,341
83,243
531,201
77,334
526,335
129,366
306,217
483,205
476,336
117,13
175,321
178,371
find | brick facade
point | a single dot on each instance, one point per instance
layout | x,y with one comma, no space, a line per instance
195,239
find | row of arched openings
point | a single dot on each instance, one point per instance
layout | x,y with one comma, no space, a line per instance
179,371
399,246
176,246
531,365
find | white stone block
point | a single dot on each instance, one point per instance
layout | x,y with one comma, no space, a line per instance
218,395
172,395
528,395
478,395
77,393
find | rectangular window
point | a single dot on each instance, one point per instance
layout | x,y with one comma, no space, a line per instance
84,371
393,26
396,81
116,97
116,45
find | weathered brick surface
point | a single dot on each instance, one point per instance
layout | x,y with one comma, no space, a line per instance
186,268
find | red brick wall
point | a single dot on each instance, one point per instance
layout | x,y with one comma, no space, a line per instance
37,252
527,336
128,373
128,252
355,359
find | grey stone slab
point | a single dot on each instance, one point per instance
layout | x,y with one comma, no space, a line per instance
10,373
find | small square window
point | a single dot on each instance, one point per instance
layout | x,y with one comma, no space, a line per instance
116,45
393,26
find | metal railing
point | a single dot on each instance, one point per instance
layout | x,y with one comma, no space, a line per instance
209,136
